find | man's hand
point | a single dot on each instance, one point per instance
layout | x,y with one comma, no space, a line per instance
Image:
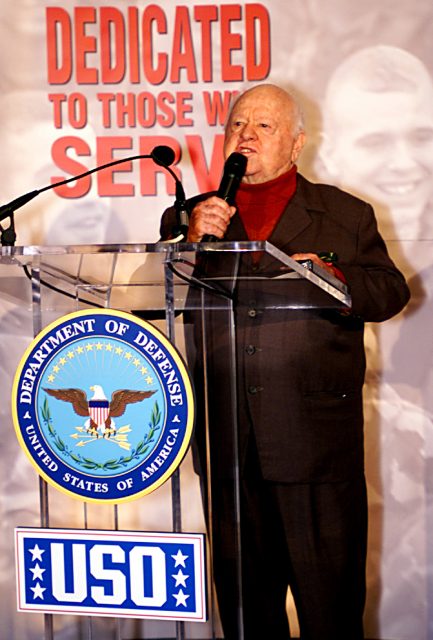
209,217
315,258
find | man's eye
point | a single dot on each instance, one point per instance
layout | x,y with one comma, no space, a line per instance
420,136
373,141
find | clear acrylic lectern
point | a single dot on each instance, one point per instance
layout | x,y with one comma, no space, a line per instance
163,284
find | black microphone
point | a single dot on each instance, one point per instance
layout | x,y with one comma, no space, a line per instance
234,170
161,155
164,156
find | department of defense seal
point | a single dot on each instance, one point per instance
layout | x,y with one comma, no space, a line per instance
103,405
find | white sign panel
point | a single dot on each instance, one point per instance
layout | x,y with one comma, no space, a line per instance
111,573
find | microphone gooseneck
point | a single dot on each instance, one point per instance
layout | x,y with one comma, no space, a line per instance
165,156
161,155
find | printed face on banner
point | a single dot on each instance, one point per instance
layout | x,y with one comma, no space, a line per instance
379,144
27,163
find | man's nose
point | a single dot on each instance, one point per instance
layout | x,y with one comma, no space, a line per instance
248,132
403,156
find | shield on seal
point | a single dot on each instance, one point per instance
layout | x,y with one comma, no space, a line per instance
99,411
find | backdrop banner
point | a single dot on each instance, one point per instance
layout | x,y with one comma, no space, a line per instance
85,83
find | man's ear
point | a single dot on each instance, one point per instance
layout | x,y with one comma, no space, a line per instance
298,146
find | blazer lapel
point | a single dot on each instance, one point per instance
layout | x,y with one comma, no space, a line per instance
293,221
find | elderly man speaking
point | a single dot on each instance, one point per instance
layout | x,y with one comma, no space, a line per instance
300,375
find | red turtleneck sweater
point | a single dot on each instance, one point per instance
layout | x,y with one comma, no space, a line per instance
260,205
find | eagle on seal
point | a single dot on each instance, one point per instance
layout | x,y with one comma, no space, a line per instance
98,409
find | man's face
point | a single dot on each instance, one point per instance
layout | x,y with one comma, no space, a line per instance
48,219
381,147
261,128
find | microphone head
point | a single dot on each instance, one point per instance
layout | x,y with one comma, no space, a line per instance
234,170
237,163
162,155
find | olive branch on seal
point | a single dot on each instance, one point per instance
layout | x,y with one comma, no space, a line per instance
109,465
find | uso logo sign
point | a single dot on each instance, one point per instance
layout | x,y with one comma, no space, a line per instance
111,573
103,405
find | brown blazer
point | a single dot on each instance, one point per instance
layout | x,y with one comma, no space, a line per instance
300,372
